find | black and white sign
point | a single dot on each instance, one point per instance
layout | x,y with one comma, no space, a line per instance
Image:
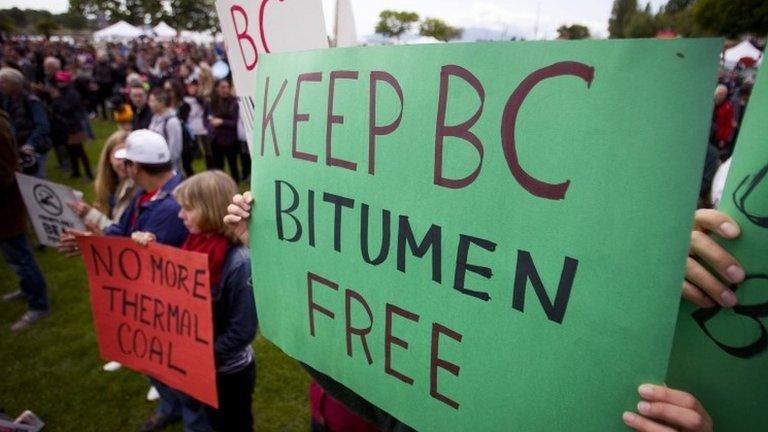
47,207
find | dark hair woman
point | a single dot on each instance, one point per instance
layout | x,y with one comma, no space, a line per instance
223,128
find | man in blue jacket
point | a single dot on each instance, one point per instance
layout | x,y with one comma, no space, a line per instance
148,162
153,208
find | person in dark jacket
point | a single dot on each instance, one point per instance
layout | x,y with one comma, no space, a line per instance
28,119
223,128
67,106
13,240
142,115
153,209
204,200
103,75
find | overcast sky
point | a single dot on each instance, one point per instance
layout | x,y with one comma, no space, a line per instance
514,17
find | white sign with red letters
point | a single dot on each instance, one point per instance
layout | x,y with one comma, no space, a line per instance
252,28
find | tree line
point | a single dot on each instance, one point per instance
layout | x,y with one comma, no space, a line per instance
689,18
628,19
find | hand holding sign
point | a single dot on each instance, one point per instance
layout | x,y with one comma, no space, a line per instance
238,214
667,410
68,244
461,242
700,286
732,341
80,207
45,204
152,311
143,238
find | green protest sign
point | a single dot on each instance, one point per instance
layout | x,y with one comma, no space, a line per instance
480,236
721,355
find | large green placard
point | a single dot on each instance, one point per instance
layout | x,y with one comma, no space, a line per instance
480,236
727,369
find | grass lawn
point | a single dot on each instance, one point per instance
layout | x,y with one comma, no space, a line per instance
54,369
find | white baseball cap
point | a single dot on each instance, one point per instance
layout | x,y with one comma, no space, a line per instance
145,146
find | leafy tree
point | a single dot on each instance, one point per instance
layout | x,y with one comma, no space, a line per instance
641,25
574,31
17,17
71,21
394,24
113,9
675,6
681,22
46,27
186,14
732,17
198,15
621,14
439,30
6,24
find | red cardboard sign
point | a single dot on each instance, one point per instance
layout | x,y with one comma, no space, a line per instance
152,311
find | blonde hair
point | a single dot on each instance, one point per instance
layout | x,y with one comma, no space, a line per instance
206,80
210,192
107,181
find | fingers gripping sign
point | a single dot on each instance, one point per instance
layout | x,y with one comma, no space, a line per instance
700,286
238,214
665,410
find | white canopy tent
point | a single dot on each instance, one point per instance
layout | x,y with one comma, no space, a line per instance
732,55
119,31
163,31
197,37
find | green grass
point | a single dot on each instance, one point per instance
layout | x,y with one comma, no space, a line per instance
54,369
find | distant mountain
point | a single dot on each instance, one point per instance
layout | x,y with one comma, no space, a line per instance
473,34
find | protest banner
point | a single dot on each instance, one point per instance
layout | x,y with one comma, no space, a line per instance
46,204
152,311
721,355
480,236
254,28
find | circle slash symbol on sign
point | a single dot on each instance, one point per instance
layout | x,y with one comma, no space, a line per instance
48,200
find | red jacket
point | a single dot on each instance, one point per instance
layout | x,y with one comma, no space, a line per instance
724,121
332,414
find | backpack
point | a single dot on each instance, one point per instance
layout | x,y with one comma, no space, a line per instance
188,145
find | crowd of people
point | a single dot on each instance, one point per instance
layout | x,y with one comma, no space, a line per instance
734,87
170,109
53,90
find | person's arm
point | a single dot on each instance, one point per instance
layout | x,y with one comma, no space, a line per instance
120,228
667,410
701,286
242,321
97,218
90,215
42,126
166,225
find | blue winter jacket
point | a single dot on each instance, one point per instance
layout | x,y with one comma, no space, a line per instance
159,216
234,312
